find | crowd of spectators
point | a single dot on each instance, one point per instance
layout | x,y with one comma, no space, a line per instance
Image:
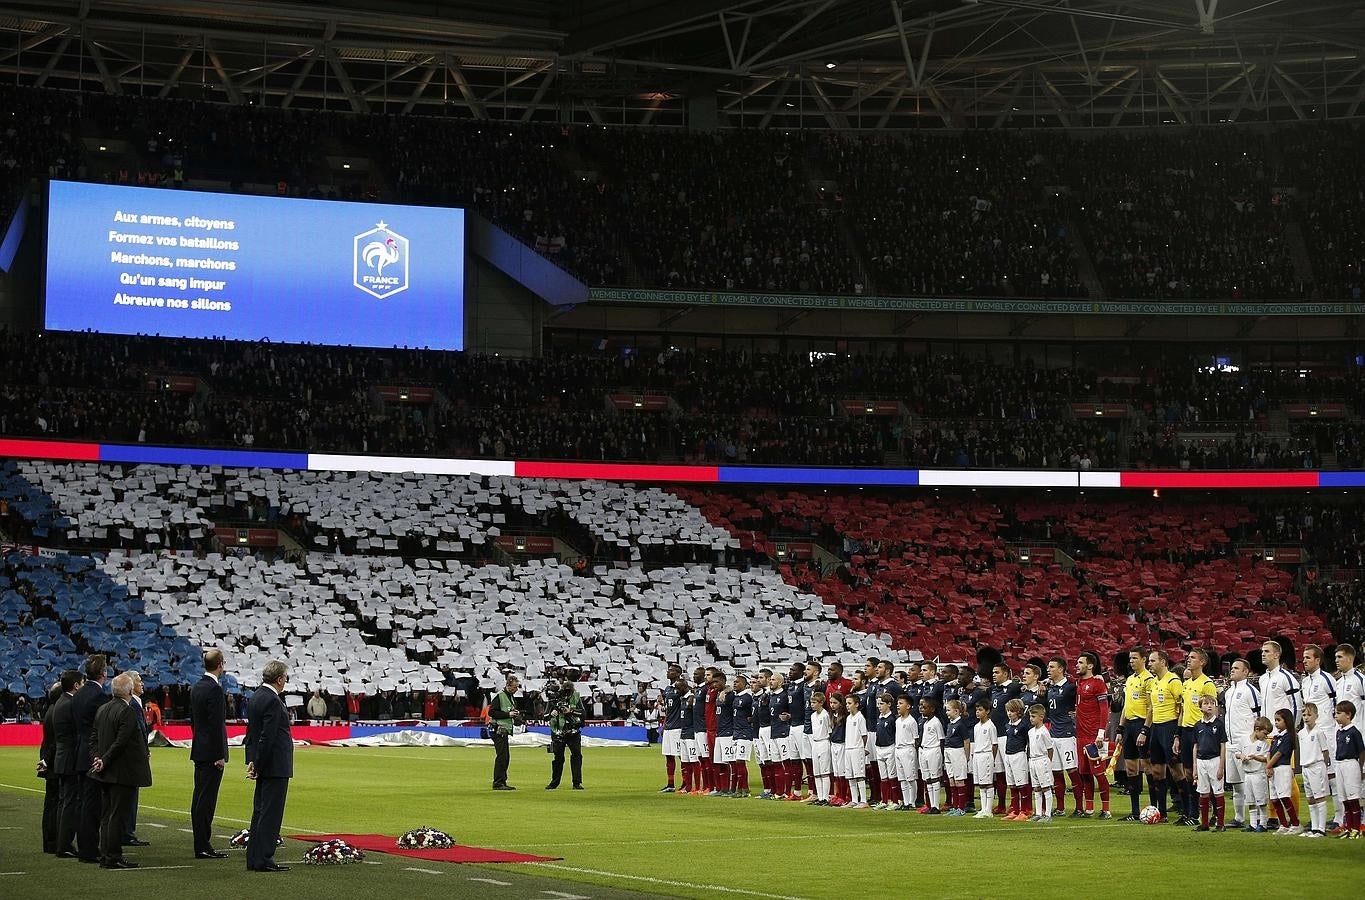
732,407
722,211
969,214
1194,215
1185,218
1325,160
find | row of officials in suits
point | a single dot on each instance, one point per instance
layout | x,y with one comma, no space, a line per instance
95,758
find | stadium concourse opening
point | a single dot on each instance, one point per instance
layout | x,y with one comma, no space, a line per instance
619,446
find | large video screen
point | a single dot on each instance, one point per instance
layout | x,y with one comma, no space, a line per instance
129,260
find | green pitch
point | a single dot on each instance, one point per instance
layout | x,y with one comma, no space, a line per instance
620,838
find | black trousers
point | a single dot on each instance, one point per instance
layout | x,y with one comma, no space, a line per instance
88,817
574,744
204,803
130,824
52,812
118,799
70,787
267,812
501,757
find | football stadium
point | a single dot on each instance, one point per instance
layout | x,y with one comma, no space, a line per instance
596,449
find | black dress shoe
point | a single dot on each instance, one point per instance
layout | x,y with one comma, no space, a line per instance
210,854
137,843
88,859
68,854
578,787
118,864
554,785
272,867
503,787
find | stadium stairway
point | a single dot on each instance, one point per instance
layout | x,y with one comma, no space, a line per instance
1085,264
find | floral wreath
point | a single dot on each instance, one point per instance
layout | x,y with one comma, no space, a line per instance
240,839
332,853
425,838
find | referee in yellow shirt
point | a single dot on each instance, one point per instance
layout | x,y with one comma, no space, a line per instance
1136,717
1197,686
1163,717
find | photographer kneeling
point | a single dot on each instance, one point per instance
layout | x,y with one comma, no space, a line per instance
503,717
566,724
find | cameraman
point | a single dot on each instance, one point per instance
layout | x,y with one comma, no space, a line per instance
503,717
566,723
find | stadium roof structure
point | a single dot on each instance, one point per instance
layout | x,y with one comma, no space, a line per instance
841,64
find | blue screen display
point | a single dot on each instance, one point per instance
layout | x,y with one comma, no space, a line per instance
129,260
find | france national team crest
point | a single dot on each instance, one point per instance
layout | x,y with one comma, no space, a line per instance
381,262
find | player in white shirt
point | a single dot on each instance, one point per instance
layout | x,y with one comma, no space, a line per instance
1350,686
1279,686
1242,707
819,747
930,755
907,752
855,753
985,749
1320,689
1040,750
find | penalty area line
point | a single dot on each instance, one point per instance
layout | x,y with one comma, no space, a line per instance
721,889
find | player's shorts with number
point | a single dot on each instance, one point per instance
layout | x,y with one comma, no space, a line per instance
672,742
1064,754
687,750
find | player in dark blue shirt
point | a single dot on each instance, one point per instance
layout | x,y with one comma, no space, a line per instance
688,739
722,755
703,782
1060,706
742,713
798,707
1003,689
670,703
781,730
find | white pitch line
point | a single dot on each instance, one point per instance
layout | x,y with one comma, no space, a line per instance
424,871
721,889
947,832
186,830
184,814
493,881
151,868
3,874
155,825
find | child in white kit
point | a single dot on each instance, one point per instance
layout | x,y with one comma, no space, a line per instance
1257,786
985,748
907,754
855,754
1040,750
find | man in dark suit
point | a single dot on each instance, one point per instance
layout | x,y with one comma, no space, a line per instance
47,766
208,752
120,764
270,763
63,766
84,705
130,838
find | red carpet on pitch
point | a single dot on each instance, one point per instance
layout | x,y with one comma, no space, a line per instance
379,843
